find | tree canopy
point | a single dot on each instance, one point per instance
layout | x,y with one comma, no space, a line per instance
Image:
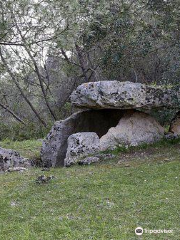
48,48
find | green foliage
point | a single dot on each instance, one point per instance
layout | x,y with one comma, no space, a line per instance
27,148
164,117
19,132
129,40
138,41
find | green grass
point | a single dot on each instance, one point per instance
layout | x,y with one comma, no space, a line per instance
28,148
103,201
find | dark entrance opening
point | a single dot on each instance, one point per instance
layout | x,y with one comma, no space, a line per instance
99,121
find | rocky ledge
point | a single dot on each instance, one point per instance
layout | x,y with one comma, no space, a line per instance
121,95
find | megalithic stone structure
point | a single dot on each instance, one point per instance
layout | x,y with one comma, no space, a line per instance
108,108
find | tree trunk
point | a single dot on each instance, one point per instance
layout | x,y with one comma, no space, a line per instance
20,89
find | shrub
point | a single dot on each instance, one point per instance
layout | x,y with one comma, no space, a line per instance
19,132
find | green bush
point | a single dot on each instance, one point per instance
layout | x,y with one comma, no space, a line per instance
164,116
19,132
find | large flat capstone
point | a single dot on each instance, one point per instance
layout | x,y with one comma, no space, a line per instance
121,95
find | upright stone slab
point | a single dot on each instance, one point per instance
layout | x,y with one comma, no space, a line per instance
81,145
120,95
134,128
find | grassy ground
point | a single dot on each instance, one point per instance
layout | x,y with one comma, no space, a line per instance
28,148
103,201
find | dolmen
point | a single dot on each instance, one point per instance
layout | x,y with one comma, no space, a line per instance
111,114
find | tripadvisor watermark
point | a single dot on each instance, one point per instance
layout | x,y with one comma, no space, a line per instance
140,231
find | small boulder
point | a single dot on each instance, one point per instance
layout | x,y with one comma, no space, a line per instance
81,145
88,160
16,169
105,156
171,136
133,129
175,125
43,179
12,159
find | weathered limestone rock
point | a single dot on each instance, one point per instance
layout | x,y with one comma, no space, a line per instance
54,147
16,169
105,156
120,95
109,101
170,136
175,125
133,129
88,160
81,145
10,159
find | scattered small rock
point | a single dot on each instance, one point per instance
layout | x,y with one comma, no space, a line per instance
45,169
43,179
127,165
170,136
88,160
167,160
13,204
16,169
104,156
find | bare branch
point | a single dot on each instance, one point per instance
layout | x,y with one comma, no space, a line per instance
19,88
12,113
